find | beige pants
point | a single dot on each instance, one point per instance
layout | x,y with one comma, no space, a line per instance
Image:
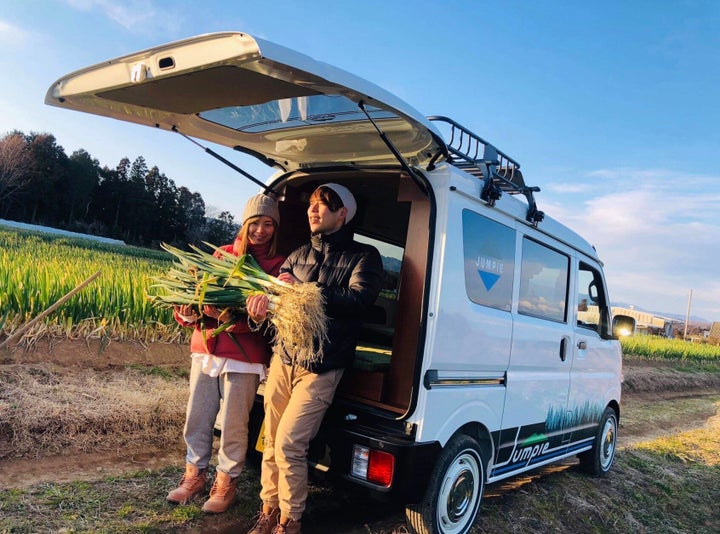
295,403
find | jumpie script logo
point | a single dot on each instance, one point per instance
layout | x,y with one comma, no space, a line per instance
534,446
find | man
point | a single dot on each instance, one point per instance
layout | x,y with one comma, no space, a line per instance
298,393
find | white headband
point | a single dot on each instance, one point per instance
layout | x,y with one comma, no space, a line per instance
347,198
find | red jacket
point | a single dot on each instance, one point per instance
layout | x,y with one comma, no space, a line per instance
238,342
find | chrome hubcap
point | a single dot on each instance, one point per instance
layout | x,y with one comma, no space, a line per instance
609,437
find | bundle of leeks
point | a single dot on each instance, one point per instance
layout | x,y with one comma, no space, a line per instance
197,278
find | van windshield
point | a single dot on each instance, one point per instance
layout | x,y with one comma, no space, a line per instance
292,113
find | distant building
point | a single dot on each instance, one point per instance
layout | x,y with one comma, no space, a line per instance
648,323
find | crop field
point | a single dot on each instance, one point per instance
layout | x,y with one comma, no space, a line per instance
38,269
669,349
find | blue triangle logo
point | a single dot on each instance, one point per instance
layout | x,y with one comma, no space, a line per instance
489,279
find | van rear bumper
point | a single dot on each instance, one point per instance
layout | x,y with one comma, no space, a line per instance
331,452
413,462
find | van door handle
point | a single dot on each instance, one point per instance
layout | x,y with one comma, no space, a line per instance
564,342
582,345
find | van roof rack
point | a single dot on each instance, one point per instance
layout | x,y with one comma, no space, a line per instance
499,172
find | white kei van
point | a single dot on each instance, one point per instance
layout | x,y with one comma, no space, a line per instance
491,349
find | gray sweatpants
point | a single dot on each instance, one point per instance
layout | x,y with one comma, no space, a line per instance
229,399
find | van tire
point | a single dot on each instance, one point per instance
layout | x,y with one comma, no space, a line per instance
599,460
454,492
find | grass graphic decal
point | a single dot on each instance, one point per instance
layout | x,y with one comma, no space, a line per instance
559,418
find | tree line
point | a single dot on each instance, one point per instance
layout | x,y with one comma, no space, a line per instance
138,204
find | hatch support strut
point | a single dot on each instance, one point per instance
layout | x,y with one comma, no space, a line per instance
405,165
268,190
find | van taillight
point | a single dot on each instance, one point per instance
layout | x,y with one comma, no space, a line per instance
371,465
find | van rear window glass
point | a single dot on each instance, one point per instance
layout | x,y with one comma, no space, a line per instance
292,113
543,282
489,259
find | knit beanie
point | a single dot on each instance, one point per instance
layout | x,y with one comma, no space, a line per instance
259,205
347,198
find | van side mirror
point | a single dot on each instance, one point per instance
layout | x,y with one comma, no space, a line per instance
622,326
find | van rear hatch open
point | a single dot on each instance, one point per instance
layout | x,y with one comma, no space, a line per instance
255,96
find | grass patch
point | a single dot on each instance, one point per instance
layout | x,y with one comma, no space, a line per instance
649,416
670,484
132,503
44,410
698,446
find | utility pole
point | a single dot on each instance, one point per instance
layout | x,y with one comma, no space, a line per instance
687,315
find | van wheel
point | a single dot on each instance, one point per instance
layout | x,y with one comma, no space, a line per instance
599,460
453,495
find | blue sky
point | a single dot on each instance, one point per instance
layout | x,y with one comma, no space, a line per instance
611,107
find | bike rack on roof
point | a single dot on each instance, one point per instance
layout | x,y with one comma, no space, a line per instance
499,172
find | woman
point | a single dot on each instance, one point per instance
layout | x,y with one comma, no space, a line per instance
226,371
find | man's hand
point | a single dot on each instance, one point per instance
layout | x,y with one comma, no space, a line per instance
257,307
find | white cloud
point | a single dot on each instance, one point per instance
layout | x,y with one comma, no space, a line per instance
130,15
655,230
13,36
136,16
566,188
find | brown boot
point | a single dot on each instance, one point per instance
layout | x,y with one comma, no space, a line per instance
192,483
222,494
291,527
265,523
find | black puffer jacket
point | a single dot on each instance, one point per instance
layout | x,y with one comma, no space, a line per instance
350,274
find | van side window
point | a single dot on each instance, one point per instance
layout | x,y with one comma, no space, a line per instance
592,309
489,260
543,282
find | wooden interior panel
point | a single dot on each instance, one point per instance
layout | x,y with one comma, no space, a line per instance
399,379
